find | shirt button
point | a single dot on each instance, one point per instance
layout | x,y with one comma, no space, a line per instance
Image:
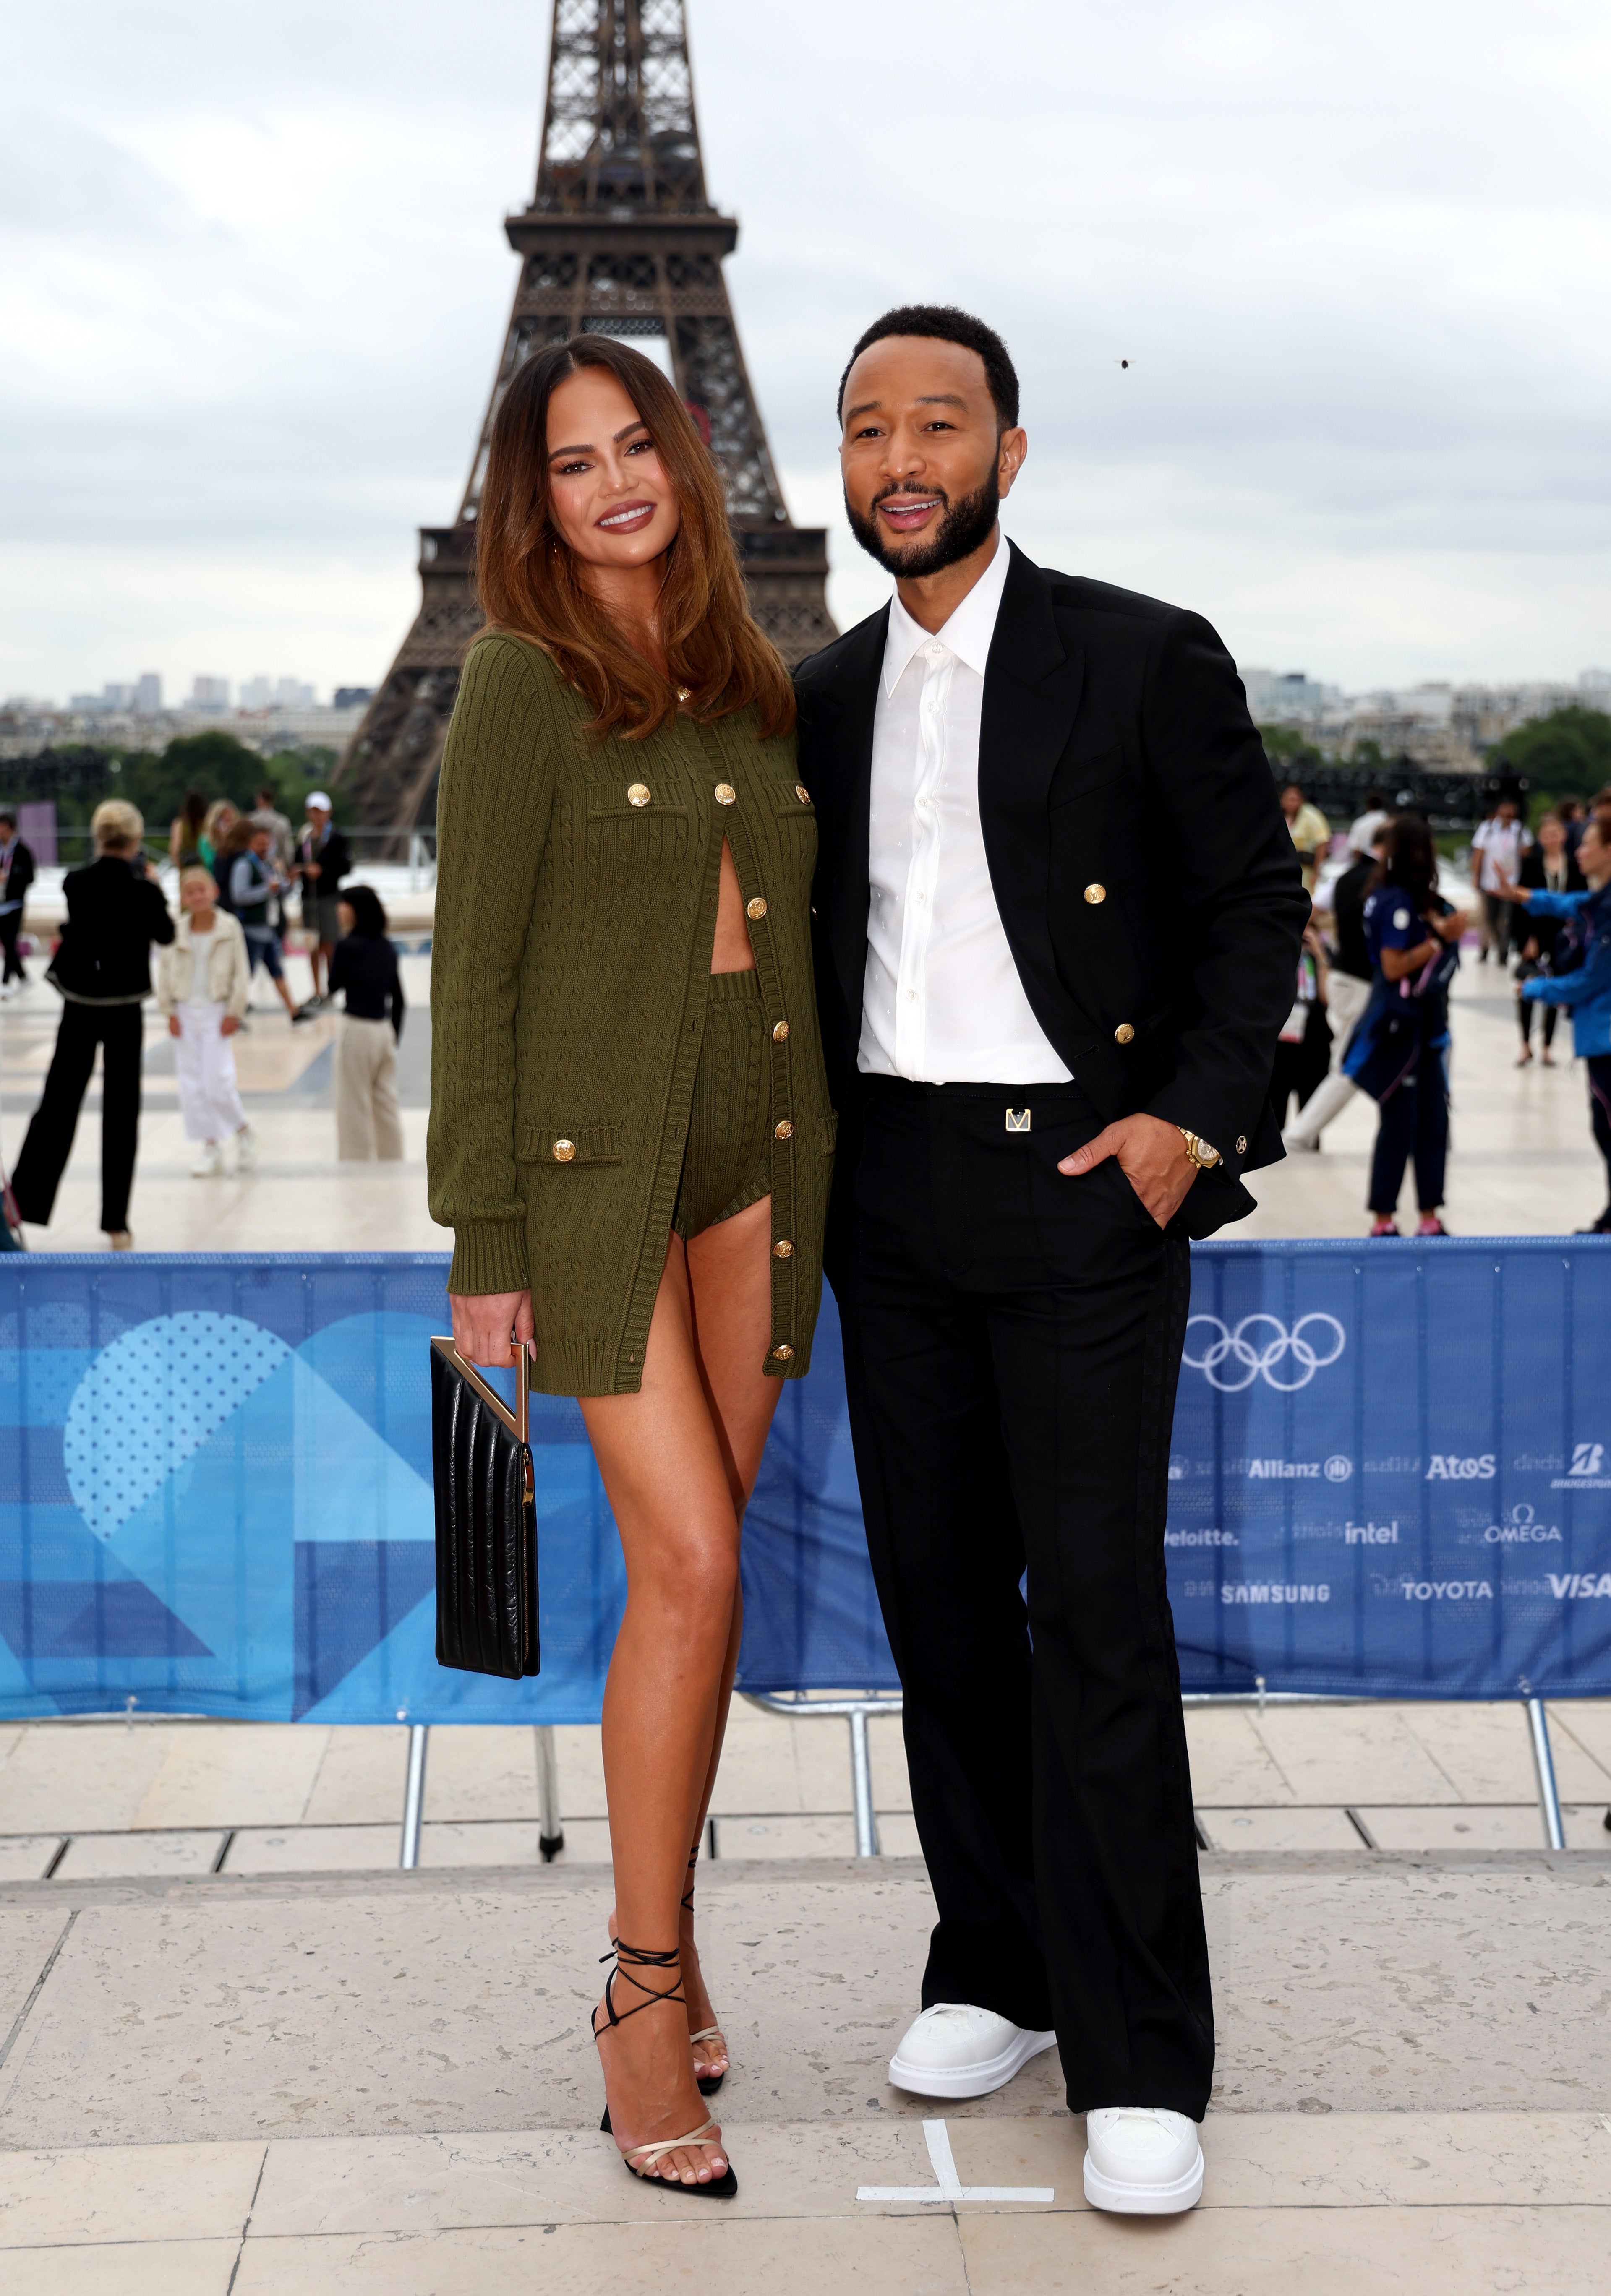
783,1131
756,909
783,1248
780,1033
639,793
1095,894
802,793
726,794
1241,1144
911,996
564,1150
1124,1034
782,1352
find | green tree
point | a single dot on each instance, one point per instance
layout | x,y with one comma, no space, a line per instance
1568,752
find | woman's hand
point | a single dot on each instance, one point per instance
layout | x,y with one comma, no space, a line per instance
486,1326
1508,890
175,1026
228,1025
1453,926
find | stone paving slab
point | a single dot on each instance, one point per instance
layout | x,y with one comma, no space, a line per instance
432,2002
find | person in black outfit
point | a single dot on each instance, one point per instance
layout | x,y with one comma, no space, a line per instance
1057,915
1549,865
115,911
16,875
324,858
1347,993
363,965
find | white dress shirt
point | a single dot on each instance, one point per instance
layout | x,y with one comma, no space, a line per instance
941,1003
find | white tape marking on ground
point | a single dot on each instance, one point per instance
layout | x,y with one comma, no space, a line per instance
949,2186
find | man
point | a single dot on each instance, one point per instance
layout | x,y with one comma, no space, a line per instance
101,968
1347,994
1362,829
282,837
1058,919
1497,848
16,875
254,885
323,860
1310,833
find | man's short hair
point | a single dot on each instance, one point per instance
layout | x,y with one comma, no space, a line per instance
946,324
268,796
8,820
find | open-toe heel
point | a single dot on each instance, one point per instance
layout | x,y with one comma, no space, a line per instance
709,2083
627,1957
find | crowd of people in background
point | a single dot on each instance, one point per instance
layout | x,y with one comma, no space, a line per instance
1370,1009
236,875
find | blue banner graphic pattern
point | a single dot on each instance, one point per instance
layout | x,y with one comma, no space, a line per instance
1390,1474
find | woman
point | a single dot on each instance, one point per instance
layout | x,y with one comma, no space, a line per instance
1401,1048
221,818
629,1126
368,1121
204,980
185,831
1303,1053
102,969
1586,987
1547,868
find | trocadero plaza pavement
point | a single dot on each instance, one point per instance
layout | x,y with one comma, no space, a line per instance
241,2051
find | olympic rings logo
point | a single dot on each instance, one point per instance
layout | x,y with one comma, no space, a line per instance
1260,1345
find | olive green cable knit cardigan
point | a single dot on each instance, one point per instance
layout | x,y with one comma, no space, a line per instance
576,896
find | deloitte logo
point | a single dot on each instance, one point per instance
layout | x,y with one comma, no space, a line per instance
1261,1347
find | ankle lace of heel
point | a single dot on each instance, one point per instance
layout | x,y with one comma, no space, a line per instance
626,1958
687,1899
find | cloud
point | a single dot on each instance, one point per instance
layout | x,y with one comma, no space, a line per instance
252,287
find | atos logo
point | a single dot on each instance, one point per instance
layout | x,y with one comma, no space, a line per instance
1261,1347
1446,1467
1587,1472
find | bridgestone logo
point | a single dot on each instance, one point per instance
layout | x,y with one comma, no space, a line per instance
1274,1591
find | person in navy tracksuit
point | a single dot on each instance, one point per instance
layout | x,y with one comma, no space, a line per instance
1586,988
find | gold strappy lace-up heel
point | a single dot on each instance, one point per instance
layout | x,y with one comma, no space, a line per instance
639,2159
709,2083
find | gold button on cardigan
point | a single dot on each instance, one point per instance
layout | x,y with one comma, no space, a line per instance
569,970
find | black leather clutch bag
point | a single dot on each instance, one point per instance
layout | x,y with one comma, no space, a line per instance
485,1520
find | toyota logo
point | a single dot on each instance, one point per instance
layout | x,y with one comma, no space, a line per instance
1262,1345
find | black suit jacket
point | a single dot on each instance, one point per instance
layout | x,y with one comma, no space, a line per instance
113,915
1115,750
20,875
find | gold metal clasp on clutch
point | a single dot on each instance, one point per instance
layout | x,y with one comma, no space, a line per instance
518,1420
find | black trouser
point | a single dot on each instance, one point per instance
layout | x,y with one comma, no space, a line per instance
1012,1346
1501,916
11,925
1598,1065
49,1144
1525,1007
1414,1121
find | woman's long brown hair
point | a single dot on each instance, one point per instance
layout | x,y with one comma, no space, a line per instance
531,585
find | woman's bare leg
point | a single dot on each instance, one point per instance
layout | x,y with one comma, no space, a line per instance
667,1457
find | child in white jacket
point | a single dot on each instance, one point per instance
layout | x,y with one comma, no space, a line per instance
204,980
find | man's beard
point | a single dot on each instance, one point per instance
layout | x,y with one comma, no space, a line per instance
964,527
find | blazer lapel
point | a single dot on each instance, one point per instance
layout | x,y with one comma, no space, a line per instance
843,719
1031,692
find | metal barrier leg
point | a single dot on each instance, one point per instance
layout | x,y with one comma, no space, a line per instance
550,1830
1543,1766
413,1794
861,1788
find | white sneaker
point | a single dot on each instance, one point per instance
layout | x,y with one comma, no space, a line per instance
1301,1143
209,1163
1142,2162
955,2050
246,1149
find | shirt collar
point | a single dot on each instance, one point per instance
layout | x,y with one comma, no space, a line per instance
968,633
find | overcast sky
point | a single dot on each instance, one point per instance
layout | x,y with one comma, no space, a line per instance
253,283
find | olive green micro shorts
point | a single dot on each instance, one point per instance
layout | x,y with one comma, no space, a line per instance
726,1167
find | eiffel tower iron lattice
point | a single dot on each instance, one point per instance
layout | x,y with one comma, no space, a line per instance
621,238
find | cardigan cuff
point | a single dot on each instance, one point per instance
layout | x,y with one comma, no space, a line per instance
489,1256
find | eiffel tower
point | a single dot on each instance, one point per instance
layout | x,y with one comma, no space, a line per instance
621,238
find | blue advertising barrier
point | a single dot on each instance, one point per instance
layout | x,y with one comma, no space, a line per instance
1388,1478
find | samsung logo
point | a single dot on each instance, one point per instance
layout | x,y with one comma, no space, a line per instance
1273,1591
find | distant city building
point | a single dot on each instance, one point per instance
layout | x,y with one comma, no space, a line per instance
275,694
1596,686
148,694
351,697
1287,697
209,693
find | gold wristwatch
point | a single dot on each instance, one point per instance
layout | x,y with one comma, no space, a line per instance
1198,1151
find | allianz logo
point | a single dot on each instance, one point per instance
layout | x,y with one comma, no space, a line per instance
1587,1472
1521,1529
1448,1467
1274,1591
1336,1470
1579,1586
1215,1537
1370,1534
